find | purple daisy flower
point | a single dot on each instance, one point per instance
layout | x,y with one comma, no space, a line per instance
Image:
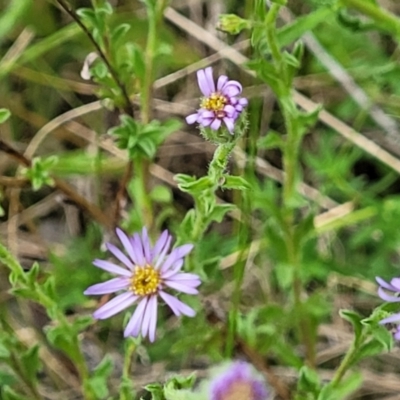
219,103
393,286
147,272
238,382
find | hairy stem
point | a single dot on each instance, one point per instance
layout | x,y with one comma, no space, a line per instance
290,166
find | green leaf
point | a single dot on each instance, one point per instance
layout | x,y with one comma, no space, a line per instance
187,225
25,293
148,147
98,380
178,387
4,352
291,60
119,33
304,230
309,381
266,72
308,120
196,186
345,388
284,274
161,194
136,55
99,69
4,115
88,16
156,390
82,322
32,274
235,182
9,394
292,32
30,362
219,211
272,140
355,319
7,378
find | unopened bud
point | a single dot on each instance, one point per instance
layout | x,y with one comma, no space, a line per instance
231,23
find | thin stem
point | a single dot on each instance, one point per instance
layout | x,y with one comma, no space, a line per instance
270,23
388,20
141,168
64,187
146,95
75,354
129,351
290,166
16,366
119,198
67,8
347,360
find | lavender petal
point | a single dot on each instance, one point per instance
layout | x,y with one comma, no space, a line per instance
123,237
221,82
147,315
146,245
395,282
384,284
110,267
210,79
160,245
232,88
175,255
163,253
243,102
191,119
138,249
207,121
115,305
119,255
386,297
215,124
153,321
110,286
392,318
203,84
134,324
230,124
173,270
181,287
176,305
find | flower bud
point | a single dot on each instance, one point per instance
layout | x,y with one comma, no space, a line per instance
231,23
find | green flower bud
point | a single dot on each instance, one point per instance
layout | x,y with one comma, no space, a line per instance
231,23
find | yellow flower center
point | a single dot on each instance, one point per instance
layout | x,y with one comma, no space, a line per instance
145,280
215,102
239,391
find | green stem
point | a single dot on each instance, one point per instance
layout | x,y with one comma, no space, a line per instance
290,166
141,197
75,353
290,154
270,23
18,279
239,270
67,8
386,19
126,391
16,366
347,360
152,36
142,166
